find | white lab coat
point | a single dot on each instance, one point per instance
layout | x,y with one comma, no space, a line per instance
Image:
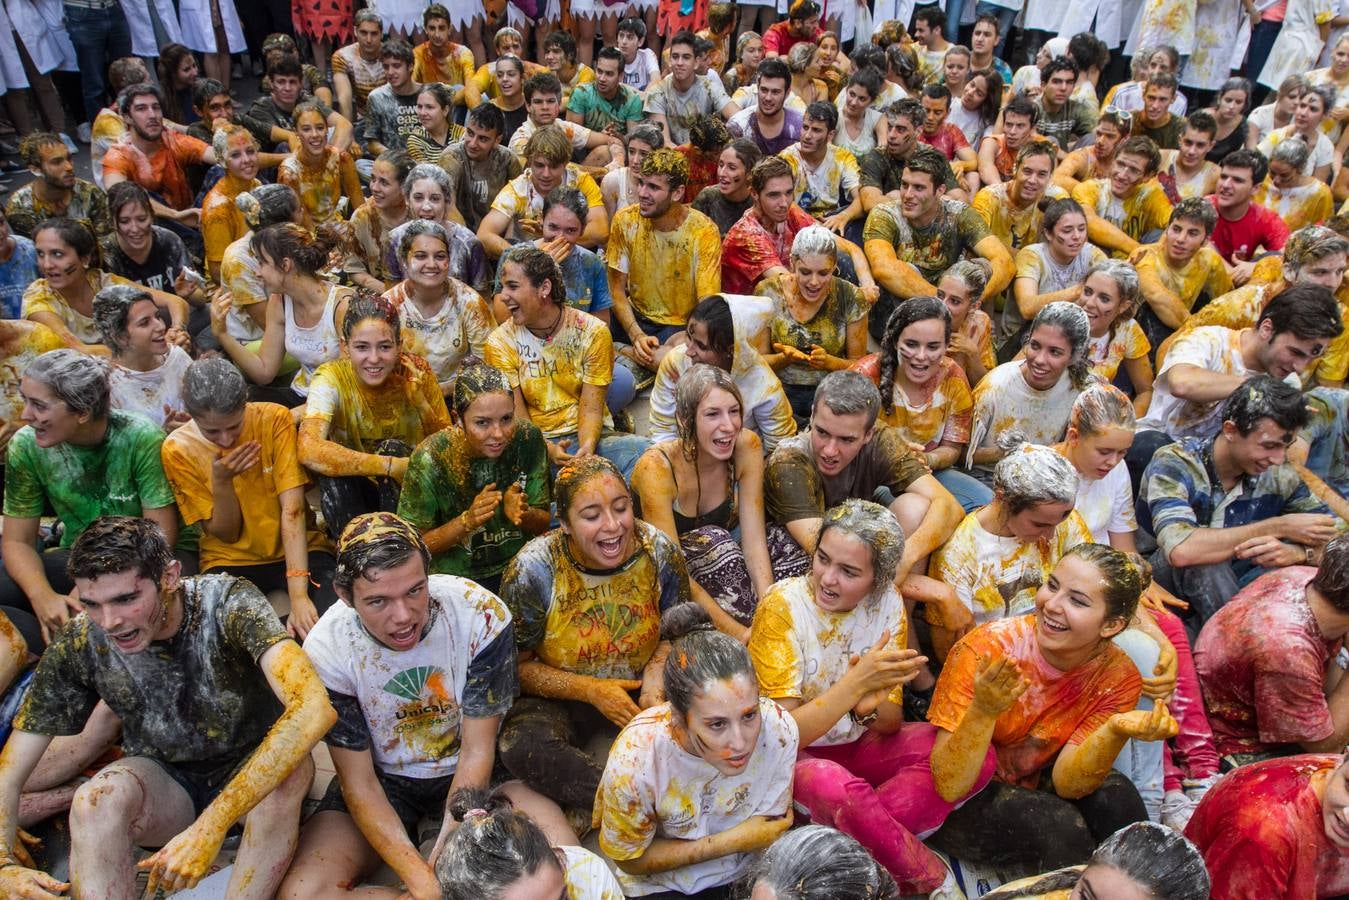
195,18
143,42
12,76
42,31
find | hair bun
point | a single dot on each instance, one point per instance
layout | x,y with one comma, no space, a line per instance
684,619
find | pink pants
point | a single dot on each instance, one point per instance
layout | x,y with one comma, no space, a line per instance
1194,742
879,790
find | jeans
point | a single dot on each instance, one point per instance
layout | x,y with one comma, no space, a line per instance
954,9
623,450
1262,41
970,492
99,36
1005,19
1141,761
622,390
344,497
1207,588
1145,446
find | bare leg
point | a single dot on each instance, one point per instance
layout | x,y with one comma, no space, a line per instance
217,66
473,39
652,37
271,831
543,812
35,808
332,857
585,39
131,803
323,50
909,510
609,29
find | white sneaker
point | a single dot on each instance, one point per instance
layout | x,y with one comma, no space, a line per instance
70,143
1196,788
1176,810
948,890
85,132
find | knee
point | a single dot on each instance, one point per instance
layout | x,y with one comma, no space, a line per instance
107,802
824,786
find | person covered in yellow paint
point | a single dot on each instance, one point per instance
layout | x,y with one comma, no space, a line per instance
587,600
1129,204
1177,271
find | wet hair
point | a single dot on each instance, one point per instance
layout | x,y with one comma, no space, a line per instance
444,99
420,228
1310,244
1308,311
505,32
125,193
1020,106
1125,278
494,847
907,108
1247,159
1072,321
402,162
903,62
397,48
1099,407
130,70
747,152
171,56
803,9
869,55
693,387
1198,210
1123,577
1325,92
819,863
213,386
821,111
1038,147
1164,80
613,54
775,68
988,110
972,273
74,234
112,309
915,309
550,142
475,380
873,525
576,475
31,147
309,252
869,80
648,134
1265,397
1237,84
78,380
633,26
766,169
1088,51
1055,210
668,162
1293,151
204,90
848,393
374,542
700,656
1031,475
266,205
703,46
1160,859
1145,147
714,312
488,117
1332,575
1203,122
562,41
542,83
114,544
814,240
930,161
801,56
429,172
141,89
569,198
220,141
365,305
435,11
537,267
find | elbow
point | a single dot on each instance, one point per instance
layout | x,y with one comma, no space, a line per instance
1184,555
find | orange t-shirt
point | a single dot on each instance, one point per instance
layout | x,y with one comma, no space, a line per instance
162,173
1058,708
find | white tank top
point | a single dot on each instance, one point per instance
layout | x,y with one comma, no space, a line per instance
311,347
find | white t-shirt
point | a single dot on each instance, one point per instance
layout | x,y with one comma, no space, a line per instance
643,69
587,877
1003,402
406,707
653,788
1107,504
970,122
148,393
1323,154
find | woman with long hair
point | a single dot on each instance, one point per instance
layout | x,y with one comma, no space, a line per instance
147,371
384,210
323,176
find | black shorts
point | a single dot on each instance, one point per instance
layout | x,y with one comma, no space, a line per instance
202,781
413,799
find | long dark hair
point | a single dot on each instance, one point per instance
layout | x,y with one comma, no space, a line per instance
915,309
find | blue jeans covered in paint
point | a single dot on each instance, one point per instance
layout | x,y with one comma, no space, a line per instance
970,492
99,36
623,450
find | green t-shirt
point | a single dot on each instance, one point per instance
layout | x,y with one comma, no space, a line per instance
122,476
953,233
597,113
442,480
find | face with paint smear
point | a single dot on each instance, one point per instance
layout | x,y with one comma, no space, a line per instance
394,604
221,429
52,421
489,424
1335,806
373,351
841,571
58,262
599,523
131,609
723,723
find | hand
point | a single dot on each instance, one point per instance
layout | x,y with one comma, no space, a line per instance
483,507
174,418
1156,724
767,830
957,617
427,887
1308,529
1241,273
820,358
560,454
961,344
514,504
531,227
612,698
793,355
1340,113
20,851
997,685
183,861
53,611
558,248
184,286
879,669
303,616
1162,684
221,304
189,217
1137,256
1157,598
870,290
644,350
227,466
836,223
1270,552
178,337
19,883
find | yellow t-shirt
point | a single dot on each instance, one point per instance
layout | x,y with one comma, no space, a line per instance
1108,351
39,297
521,201
1203,274
820,191
455,69
1015,228
668,271
1144,210
408,406
21,342
1305,204
222,223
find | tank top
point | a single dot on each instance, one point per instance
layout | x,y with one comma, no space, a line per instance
723,515
311,347
1233,142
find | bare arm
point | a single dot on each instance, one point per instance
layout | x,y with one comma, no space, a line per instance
295,545
943,515
343,133
590,419
895,275
1198,385
1140,375
57,324
993,250
1029,300
664,854
263,366
326,457
596,232
1107,236
1166,303
988,165
492,233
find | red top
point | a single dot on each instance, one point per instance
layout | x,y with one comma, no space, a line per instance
750,249
1262,835
1260,227
948,139
161,173
779,38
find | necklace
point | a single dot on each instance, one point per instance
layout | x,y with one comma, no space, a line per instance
549,331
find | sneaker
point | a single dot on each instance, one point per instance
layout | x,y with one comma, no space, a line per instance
1176,810
85,132
1196,788
258,70
73,147
949,889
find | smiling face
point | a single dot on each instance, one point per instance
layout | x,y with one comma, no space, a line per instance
599,524
428,262
393,604
1265,447
1283,354
919,196
241,156
700,347
1183,239
273,273
509,79
313,131
186,73
430,114
528,305
397,72
842,573
489,424
775,199
732,176
129,608
814,275
133,227
1126,173
974,93
1047,356
655,196
682,63
52,421
373,351
426,200
145,330
723,724
836,439
1094,455
545,174
1071,610
384,189
1101,301
920,348
58,262
717,424
1031,178
561,222
857,99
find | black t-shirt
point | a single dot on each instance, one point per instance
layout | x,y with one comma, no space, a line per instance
167,258
713,204
514,119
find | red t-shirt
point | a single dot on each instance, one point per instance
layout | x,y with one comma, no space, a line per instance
948,139
1259,228
750,249
702,169
779,38
161,173
1262,836
1261,662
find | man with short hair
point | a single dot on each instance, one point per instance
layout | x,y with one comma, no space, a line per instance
54,190
479,164
929,21
1063,119
680,97
421,669
1155,120
663,256
1245,228
212,101
606,105
827,177
1127,207
219,711
802,24
439,59
559,55
155,157
882,169
391,108
1186,171
1226,507
356,68
278,108
997,152
1012,208
543,104
769,123
950,140
108,126
909,244
987,39
1128,96
1177,270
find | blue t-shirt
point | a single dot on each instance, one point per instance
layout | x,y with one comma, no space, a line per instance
16,273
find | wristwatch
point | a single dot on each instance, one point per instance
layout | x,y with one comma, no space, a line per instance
864,721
